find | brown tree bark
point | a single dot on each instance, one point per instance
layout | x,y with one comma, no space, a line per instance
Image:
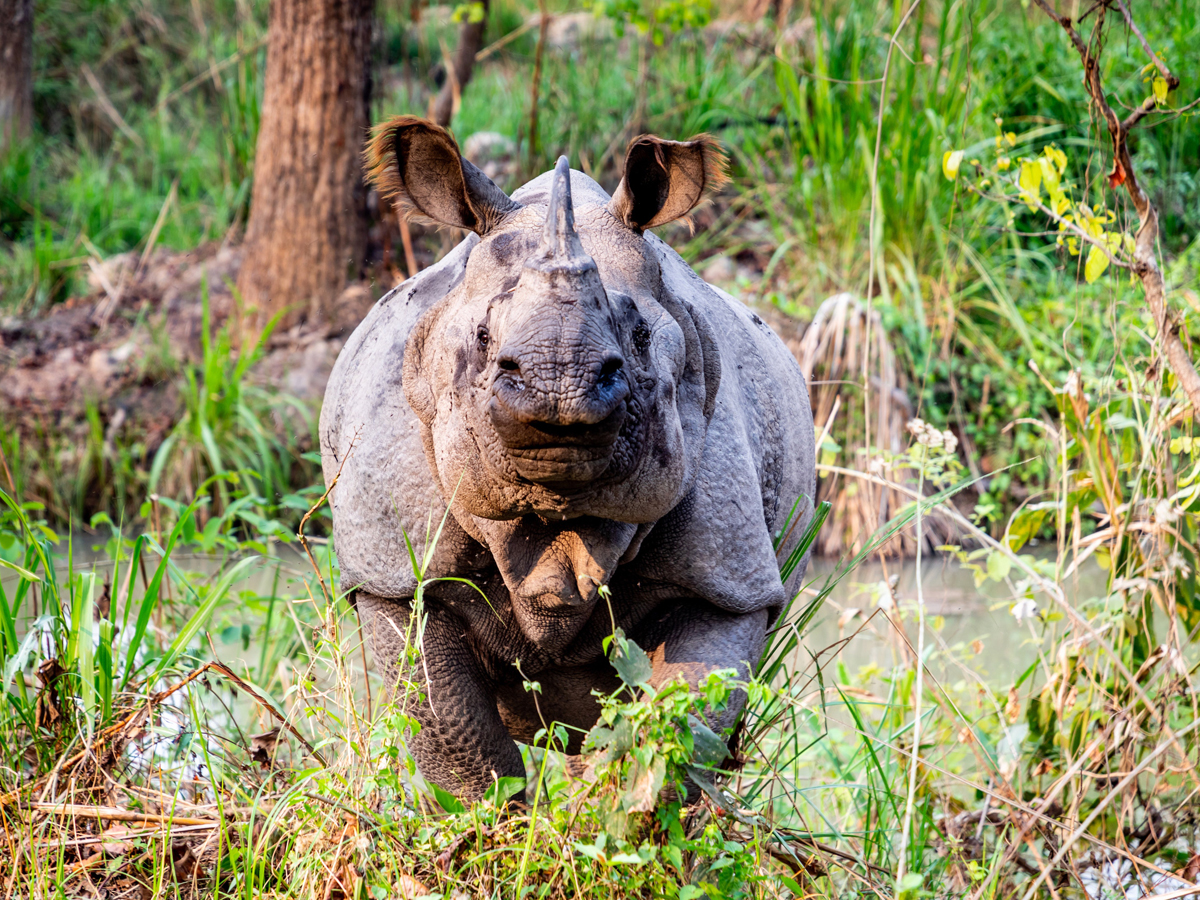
307,232
16,70
459,70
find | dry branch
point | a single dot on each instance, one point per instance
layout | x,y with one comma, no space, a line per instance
1145,258
115,814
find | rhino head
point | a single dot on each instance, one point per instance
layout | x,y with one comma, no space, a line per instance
559,381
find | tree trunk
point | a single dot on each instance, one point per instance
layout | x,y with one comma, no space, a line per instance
16,70
308,214
460,69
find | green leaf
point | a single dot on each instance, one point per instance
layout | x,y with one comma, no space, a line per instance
709,749
1097,262
630,661
614,742
951,160
446,800
24,573
1026,524
503,790
691,892
998,566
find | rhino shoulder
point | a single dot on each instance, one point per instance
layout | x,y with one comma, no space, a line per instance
371,440
758,460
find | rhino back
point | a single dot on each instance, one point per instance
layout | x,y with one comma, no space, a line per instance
372,437
758,460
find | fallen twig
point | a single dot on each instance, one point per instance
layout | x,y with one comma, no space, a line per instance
114,814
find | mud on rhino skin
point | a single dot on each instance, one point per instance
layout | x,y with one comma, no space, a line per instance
592,413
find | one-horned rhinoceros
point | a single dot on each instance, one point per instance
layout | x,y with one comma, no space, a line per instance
593,414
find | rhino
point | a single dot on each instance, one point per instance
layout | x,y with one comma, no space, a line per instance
567,407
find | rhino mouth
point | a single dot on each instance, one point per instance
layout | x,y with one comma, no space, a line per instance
550,454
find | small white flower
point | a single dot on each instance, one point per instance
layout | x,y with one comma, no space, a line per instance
1024,609
950,441
1166,512
1177,564
916,426
925,438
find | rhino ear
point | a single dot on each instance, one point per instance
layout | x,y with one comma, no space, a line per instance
664,180
417,163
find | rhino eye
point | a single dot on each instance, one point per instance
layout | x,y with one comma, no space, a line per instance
641,337
482,336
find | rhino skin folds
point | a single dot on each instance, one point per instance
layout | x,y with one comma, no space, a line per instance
593,413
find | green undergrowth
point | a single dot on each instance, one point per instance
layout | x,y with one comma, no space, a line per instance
151,116
205,677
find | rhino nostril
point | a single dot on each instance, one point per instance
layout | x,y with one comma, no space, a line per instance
611,367
508,364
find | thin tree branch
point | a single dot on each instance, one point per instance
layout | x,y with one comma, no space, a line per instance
1171,79
1145,257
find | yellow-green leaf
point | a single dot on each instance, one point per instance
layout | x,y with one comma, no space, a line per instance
1031,176
1057,157
1160,90
951,160
1030,182
1049,174
1097,262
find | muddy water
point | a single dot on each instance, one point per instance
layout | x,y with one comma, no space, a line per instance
958,613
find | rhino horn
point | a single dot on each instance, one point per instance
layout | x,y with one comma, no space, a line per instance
560,249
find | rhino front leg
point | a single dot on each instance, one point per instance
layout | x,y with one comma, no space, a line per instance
462,741
692,638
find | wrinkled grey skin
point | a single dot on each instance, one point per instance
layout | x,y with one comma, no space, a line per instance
599,416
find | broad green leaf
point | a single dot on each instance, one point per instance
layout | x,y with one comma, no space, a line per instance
1097,262
630,661
951,160
446,800
504,789
1025,525
708,748
615,742
998,566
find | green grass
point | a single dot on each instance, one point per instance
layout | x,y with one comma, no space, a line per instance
218,680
